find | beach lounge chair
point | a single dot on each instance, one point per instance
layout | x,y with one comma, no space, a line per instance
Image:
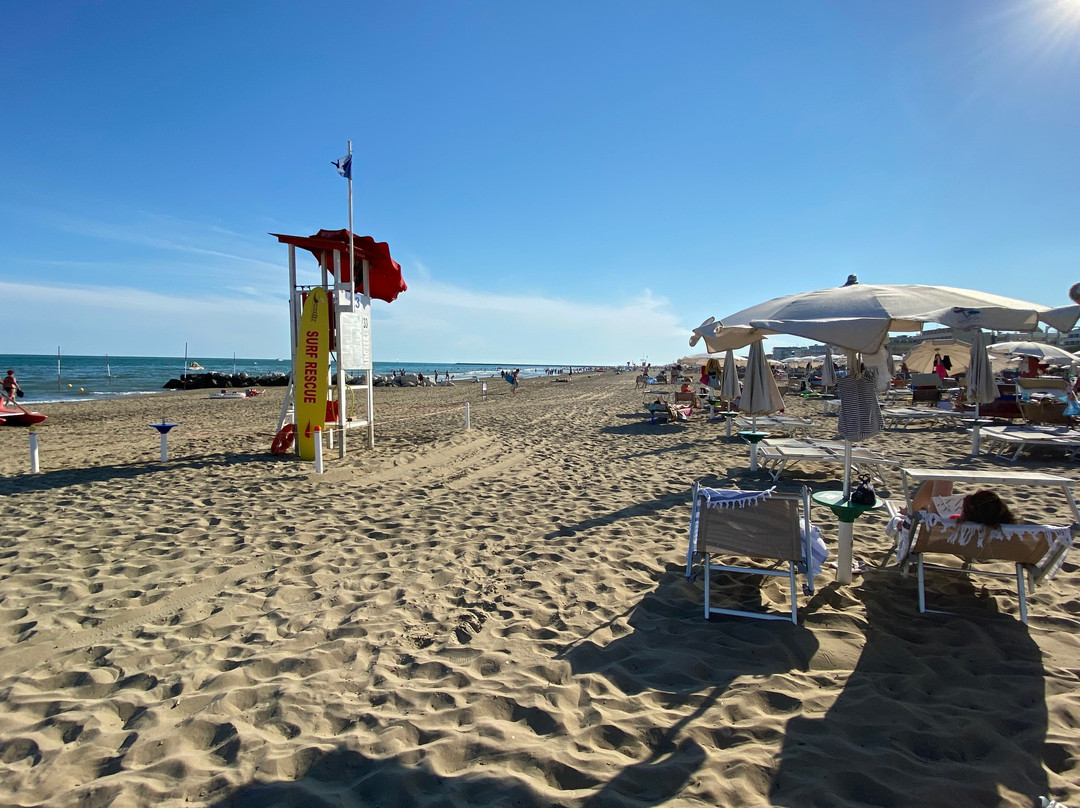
1037,551
761,525
686,400
1043,400
784,424
1005,406
925,387
777,454
1001,440
1045,411
904,417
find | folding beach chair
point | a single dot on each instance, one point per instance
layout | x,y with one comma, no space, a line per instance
1036,551
766,525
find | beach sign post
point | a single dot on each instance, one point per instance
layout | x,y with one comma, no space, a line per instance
34,466
164,428
318,450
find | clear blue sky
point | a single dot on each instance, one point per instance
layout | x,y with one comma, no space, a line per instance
561,181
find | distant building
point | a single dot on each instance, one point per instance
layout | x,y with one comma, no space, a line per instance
799,350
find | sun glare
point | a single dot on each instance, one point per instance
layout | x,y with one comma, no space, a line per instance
1060,23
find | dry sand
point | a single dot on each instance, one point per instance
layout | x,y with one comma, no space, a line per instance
488,617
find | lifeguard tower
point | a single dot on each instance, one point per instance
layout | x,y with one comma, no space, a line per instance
350,316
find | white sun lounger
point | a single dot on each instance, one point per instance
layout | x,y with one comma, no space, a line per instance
785,424
1001,440
904,417
777,454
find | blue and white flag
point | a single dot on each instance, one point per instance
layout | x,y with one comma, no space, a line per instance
344,166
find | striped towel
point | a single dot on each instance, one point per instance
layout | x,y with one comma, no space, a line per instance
860,414
732,498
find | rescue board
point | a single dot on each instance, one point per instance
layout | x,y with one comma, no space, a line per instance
312,370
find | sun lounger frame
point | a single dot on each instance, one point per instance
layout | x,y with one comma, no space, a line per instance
1002,440
777,455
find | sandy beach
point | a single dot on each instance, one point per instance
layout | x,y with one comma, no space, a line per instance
496,616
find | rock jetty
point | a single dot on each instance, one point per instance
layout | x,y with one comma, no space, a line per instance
210,381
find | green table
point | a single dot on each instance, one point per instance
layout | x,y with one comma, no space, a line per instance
753,438
846,512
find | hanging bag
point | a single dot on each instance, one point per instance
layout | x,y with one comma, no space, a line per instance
863,494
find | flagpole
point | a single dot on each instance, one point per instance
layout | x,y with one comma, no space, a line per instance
352,260
342,404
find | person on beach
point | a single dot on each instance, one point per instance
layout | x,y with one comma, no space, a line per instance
11,387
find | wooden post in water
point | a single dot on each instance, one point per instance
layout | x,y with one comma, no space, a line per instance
58,367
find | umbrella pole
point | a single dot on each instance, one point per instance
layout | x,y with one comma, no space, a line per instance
975,433
847,468
753,444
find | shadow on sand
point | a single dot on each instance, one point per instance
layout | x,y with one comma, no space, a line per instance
53,480
939,709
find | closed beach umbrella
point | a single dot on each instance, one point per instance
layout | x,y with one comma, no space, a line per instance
828,375
981,387
760,395
729,386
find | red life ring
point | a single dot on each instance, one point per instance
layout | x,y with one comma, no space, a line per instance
283,441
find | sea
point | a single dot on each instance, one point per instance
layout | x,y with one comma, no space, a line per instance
48,379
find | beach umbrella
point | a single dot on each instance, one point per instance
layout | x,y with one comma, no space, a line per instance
981,386
828,373
729,385
828,377
703,359
859,317
1049,353
760,396
695,359
921,357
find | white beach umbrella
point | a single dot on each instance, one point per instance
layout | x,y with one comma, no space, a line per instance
703,359
828,373
1050,353
695,359
729,385
981,387
760,395
859,317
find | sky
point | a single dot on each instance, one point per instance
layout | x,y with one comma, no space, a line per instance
561,182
